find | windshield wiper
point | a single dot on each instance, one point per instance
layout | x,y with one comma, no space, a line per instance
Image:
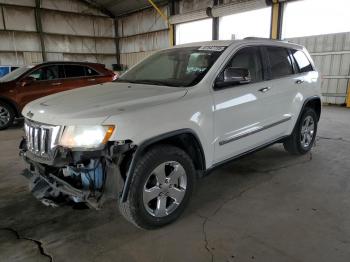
151,82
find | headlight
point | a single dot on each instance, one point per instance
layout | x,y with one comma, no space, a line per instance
88,137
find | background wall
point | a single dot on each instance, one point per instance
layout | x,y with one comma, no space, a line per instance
331,54
141,34
75,31
71,30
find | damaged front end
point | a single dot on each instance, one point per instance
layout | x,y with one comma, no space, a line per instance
59,175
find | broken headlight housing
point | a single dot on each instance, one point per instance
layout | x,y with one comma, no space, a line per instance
85,137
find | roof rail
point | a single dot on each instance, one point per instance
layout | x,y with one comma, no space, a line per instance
254,37
263,38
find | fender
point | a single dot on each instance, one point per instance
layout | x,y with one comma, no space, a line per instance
140,149
11,103
307,100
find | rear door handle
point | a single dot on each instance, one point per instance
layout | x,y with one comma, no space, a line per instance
93,79
56,84
299,81
265,89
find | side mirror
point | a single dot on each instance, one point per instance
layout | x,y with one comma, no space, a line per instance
27,81
234,76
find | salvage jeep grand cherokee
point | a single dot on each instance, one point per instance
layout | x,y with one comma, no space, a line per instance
144,139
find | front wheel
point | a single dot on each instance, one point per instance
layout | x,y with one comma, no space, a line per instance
303,137
162,184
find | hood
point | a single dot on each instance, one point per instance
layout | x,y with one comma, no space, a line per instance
94,104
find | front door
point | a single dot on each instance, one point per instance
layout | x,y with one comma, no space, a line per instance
244,114
44,81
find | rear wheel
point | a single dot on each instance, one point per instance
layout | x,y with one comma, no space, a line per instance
161,187
303,137
7,115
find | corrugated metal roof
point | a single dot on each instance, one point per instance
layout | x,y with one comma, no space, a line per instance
121,7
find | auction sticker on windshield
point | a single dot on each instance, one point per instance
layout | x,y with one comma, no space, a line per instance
212,48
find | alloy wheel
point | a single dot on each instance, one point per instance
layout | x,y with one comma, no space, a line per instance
307,132
5,116
165,189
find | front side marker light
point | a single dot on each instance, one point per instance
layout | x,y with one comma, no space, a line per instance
108,135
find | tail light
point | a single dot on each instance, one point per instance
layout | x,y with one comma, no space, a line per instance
115,76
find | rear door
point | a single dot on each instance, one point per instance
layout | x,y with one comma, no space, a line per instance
75,76
283,89
81,75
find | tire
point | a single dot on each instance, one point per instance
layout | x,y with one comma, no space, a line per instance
7,115
145,182
296,142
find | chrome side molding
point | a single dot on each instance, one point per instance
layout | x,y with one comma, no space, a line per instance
254,131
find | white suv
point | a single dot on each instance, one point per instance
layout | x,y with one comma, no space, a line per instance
144,139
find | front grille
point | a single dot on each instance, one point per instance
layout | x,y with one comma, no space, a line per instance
41,138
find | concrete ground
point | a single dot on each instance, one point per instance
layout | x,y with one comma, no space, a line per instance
268,206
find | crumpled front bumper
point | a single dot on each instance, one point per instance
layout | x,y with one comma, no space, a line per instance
53,191
46,188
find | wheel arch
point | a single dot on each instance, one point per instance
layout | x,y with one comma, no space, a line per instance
12,104
314,103
292,142
186,139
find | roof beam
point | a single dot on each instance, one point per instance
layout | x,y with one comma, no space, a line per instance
39,28
166,20
276,18
95,4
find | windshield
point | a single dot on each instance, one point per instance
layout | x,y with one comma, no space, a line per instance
15,74
180,67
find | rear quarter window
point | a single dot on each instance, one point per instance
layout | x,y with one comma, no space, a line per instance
90,72
303,63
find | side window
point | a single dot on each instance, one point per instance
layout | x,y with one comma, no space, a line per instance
74,71
249,58
302,61
47,73
90,72
280,62
38,74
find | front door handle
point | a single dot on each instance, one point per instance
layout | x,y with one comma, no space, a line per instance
265,89
56,84
91,80
299,81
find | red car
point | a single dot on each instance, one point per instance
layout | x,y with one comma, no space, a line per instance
28,83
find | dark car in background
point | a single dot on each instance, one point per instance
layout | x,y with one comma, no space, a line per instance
28,83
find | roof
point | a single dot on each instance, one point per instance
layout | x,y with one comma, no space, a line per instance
121,7
69,62
208,43
246,40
